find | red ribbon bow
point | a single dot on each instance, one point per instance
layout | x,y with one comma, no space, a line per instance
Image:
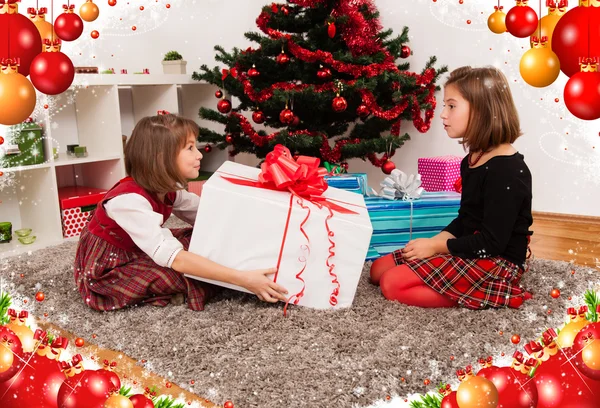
64,365
460,373
469,370
76,360
40,336
162,112
11,312
39,12
445,390
530,363
572,312
69,8
498,8
518,356
24,314
533,347
60,343
226,72
587,61
549,336
10,62
582,311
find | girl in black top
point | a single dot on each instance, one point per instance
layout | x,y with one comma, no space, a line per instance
478,260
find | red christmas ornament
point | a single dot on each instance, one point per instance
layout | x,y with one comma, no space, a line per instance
405,51
331,30
228,404
296,121
112,3
207,148
253,72
79,342
283,58
219,94
286,116
555,293
229,139
224,105
362,111
86,389
68,26
388,166
581,95
95,34
258,117
25,40
339,104
521,20
449,401
324,73
52,72
575,35
9,340
515,389
141,401
589,333
285,10
40,296
1,140
515,339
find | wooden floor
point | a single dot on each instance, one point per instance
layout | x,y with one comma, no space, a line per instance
566,238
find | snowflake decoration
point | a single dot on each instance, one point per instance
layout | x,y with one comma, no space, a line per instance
7,179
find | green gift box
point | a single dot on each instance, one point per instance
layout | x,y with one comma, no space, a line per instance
25,148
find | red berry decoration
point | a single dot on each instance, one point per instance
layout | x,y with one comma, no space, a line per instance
207,148
324,73
283,58
286,116
224,106
79,342
95,34
253,72
331,30
68,26
405,51
40,296
258,117
521,20
362,111
555,293
112,3
582,93
515,339
228,404
219,94
339,104
388,166
229,139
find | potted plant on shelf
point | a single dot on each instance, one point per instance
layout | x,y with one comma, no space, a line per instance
173,63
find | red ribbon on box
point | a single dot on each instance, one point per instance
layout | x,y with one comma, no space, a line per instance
304,179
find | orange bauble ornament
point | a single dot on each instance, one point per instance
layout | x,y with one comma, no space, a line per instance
89,11
38,17
18,322
497,21
477,392
118,401
590,354
539,66
17,96
546,25
567,334
6,358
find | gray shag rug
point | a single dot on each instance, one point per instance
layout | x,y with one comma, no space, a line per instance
244,350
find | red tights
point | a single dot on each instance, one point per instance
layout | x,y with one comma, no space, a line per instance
399,282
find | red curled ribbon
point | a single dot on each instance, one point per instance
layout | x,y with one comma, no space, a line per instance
304,179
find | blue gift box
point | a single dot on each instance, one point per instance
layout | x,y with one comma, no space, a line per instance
354,182
395,222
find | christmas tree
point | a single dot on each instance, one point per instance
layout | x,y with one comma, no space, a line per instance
324,78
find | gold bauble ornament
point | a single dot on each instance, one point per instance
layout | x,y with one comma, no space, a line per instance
23,332
547,24
497,22
46,30
567,334
6,358
89,11
539,66
477,392
590,354
118,401
17,99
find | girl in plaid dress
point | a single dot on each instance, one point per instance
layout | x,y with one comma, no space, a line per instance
478,260
126,257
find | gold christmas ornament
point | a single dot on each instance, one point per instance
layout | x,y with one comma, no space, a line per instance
539,66
118,401
556,9
477,392
18,323
567,334
38,17
89,11
497,21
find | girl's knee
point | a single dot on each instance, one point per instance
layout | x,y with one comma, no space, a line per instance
380,266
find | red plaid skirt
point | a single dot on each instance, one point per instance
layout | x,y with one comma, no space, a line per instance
476,283
110,278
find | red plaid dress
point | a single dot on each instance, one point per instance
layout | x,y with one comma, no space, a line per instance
476,283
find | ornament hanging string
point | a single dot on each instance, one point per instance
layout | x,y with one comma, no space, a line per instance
540,23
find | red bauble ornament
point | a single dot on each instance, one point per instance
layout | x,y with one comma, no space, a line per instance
405,51
218,94
228,404
1,140
52,73
521,20
571,39
95,34
286,116
582,95
362,111
229,139
8,339
296,121
258,117
141,401
324,73
283,58
88,389
79,342
593,332
339,104
40,296
112,3
111,377
224,105
331,30
25,40
207,148
449,401
68,26
555,293
388,166
515,390
515,339
253,72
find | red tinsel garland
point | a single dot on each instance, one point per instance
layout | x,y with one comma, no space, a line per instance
306,3
367,43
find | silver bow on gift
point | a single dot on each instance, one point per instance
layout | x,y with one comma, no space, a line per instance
399,185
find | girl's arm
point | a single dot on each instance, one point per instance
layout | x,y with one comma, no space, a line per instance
185,206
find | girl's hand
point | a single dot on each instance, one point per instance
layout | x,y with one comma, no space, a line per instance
420,248
263,287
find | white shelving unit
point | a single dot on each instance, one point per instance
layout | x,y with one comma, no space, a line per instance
105,108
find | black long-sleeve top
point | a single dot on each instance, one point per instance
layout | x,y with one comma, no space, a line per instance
495,210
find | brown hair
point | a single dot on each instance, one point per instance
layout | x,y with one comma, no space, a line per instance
493,117
151,152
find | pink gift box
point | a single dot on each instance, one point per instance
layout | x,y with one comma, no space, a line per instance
439,173
196,187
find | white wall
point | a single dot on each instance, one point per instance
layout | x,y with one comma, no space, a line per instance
557,147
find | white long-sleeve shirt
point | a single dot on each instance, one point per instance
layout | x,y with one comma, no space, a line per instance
134,214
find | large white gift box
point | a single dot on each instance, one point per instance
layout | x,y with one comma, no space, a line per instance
248,227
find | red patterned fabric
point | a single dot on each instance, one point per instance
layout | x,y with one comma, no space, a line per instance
110,278
476,283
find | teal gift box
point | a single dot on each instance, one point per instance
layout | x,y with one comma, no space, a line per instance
354,182
26,147
395,222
